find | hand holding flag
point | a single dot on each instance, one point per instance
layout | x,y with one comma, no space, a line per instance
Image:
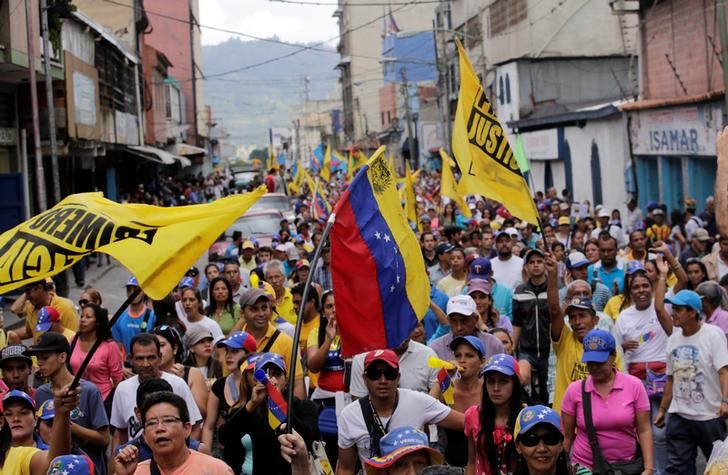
277,406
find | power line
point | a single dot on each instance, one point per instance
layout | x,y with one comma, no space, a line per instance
356,4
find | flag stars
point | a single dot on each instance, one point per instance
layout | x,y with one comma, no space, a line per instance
398,279
387,238
378,235
392,288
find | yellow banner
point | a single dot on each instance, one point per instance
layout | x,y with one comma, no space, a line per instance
481,149
325,172
448,185
158,245
409,197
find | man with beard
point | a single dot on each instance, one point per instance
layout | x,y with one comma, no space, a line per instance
607,270
427,242
507,268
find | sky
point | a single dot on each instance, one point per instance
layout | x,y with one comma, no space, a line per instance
266,18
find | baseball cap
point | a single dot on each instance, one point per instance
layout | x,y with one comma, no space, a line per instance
690,203
251,296
604,213
239,341
17,395
397,443
584,303
281,248
481,269
633,266
598,345
701,234
49,342
686,298
248,245
46,411
46,316
71,465
249,362
444,248
195,335
564,219
461,304
501,363
531,416
424,218
471,340
479,285
186,282
387,356
501,233
270,358
12,352
658,211
303,263
132,282
511,232
563,206
192,272
530,253
576,259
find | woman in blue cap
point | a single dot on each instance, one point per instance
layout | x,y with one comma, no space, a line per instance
489,427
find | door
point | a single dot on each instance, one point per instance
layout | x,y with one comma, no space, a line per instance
12,205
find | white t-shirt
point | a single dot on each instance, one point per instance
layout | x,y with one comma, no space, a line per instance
694,362
644,327
415,372
413,409
122,409
722,267
208,324
181,309
509,272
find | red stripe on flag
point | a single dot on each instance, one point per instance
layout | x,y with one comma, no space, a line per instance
354,277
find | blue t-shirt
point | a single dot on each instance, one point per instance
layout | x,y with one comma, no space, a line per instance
127,327
608,278
89,413
430,320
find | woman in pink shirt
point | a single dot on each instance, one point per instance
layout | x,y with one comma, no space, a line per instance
620,409
715,304
104,369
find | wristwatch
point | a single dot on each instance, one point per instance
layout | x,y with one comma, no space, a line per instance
724,401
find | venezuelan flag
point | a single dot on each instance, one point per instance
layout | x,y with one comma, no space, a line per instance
277,406
446,387
378,274
321,206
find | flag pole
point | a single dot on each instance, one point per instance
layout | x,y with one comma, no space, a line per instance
103,334
299,321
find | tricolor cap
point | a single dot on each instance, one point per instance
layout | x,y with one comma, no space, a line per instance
397,443
501,363
531,416
303,263
471,340
186,282
598,345
249,362
71,465
17,395
576,260
271,359
46,316
239,341
686,298
387,356
132,282
462,305
46,411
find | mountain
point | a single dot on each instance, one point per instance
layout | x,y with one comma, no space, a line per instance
248,102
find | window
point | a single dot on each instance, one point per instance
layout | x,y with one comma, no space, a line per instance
505,14
508,89
116,80
473,32
173,109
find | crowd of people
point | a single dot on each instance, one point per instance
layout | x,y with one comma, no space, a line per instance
595,341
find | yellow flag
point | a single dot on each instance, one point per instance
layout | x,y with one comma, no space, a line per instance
272,160
158,245
448,185
325,172
361,160
297,183
350,167
409,196
481,149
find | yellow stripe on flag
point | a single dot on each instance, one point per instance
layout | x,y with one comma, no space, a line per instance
325,172
448,185
481,149
157,245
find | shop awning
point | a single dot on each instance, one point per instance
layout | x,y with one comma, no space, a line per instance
152,153
183,161
593,112
186,150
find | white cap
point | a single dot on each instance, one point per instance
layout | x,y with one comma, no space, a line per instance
461,304
281,248
604,213
511,232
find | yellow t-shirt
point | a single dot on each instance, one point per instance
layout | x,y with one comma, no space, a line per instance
613,305
285,309
282,346
569,367
65,308
18,461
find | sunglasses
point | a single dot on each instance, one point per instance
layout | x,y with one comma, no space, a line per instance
373,374
532,439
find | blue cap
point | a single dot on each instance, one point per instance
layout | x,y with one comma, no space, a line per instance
271,358
17,395
598,345
480,268
531,416
132,282
71,465
397,443
46,411
501,233
46,316
501,363
686,298
634,266
239,341
471,340
186,282
444,248
584,303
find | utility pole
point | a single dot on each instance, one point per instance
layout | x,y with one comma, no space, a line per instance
39,172
724,49
49,99
193,71
408,116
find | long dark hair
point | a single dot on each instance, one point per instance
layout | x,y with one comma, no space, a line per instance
102,320
6,441
562,465
165,313
484,442
229,303
703,269
627,290
323,321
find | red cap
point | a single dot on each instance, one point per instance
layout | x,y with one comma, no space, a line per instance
387,356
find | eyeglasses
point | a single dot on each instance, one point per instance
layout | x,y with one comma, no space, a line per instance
83,302
373,374
163,421
532,439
